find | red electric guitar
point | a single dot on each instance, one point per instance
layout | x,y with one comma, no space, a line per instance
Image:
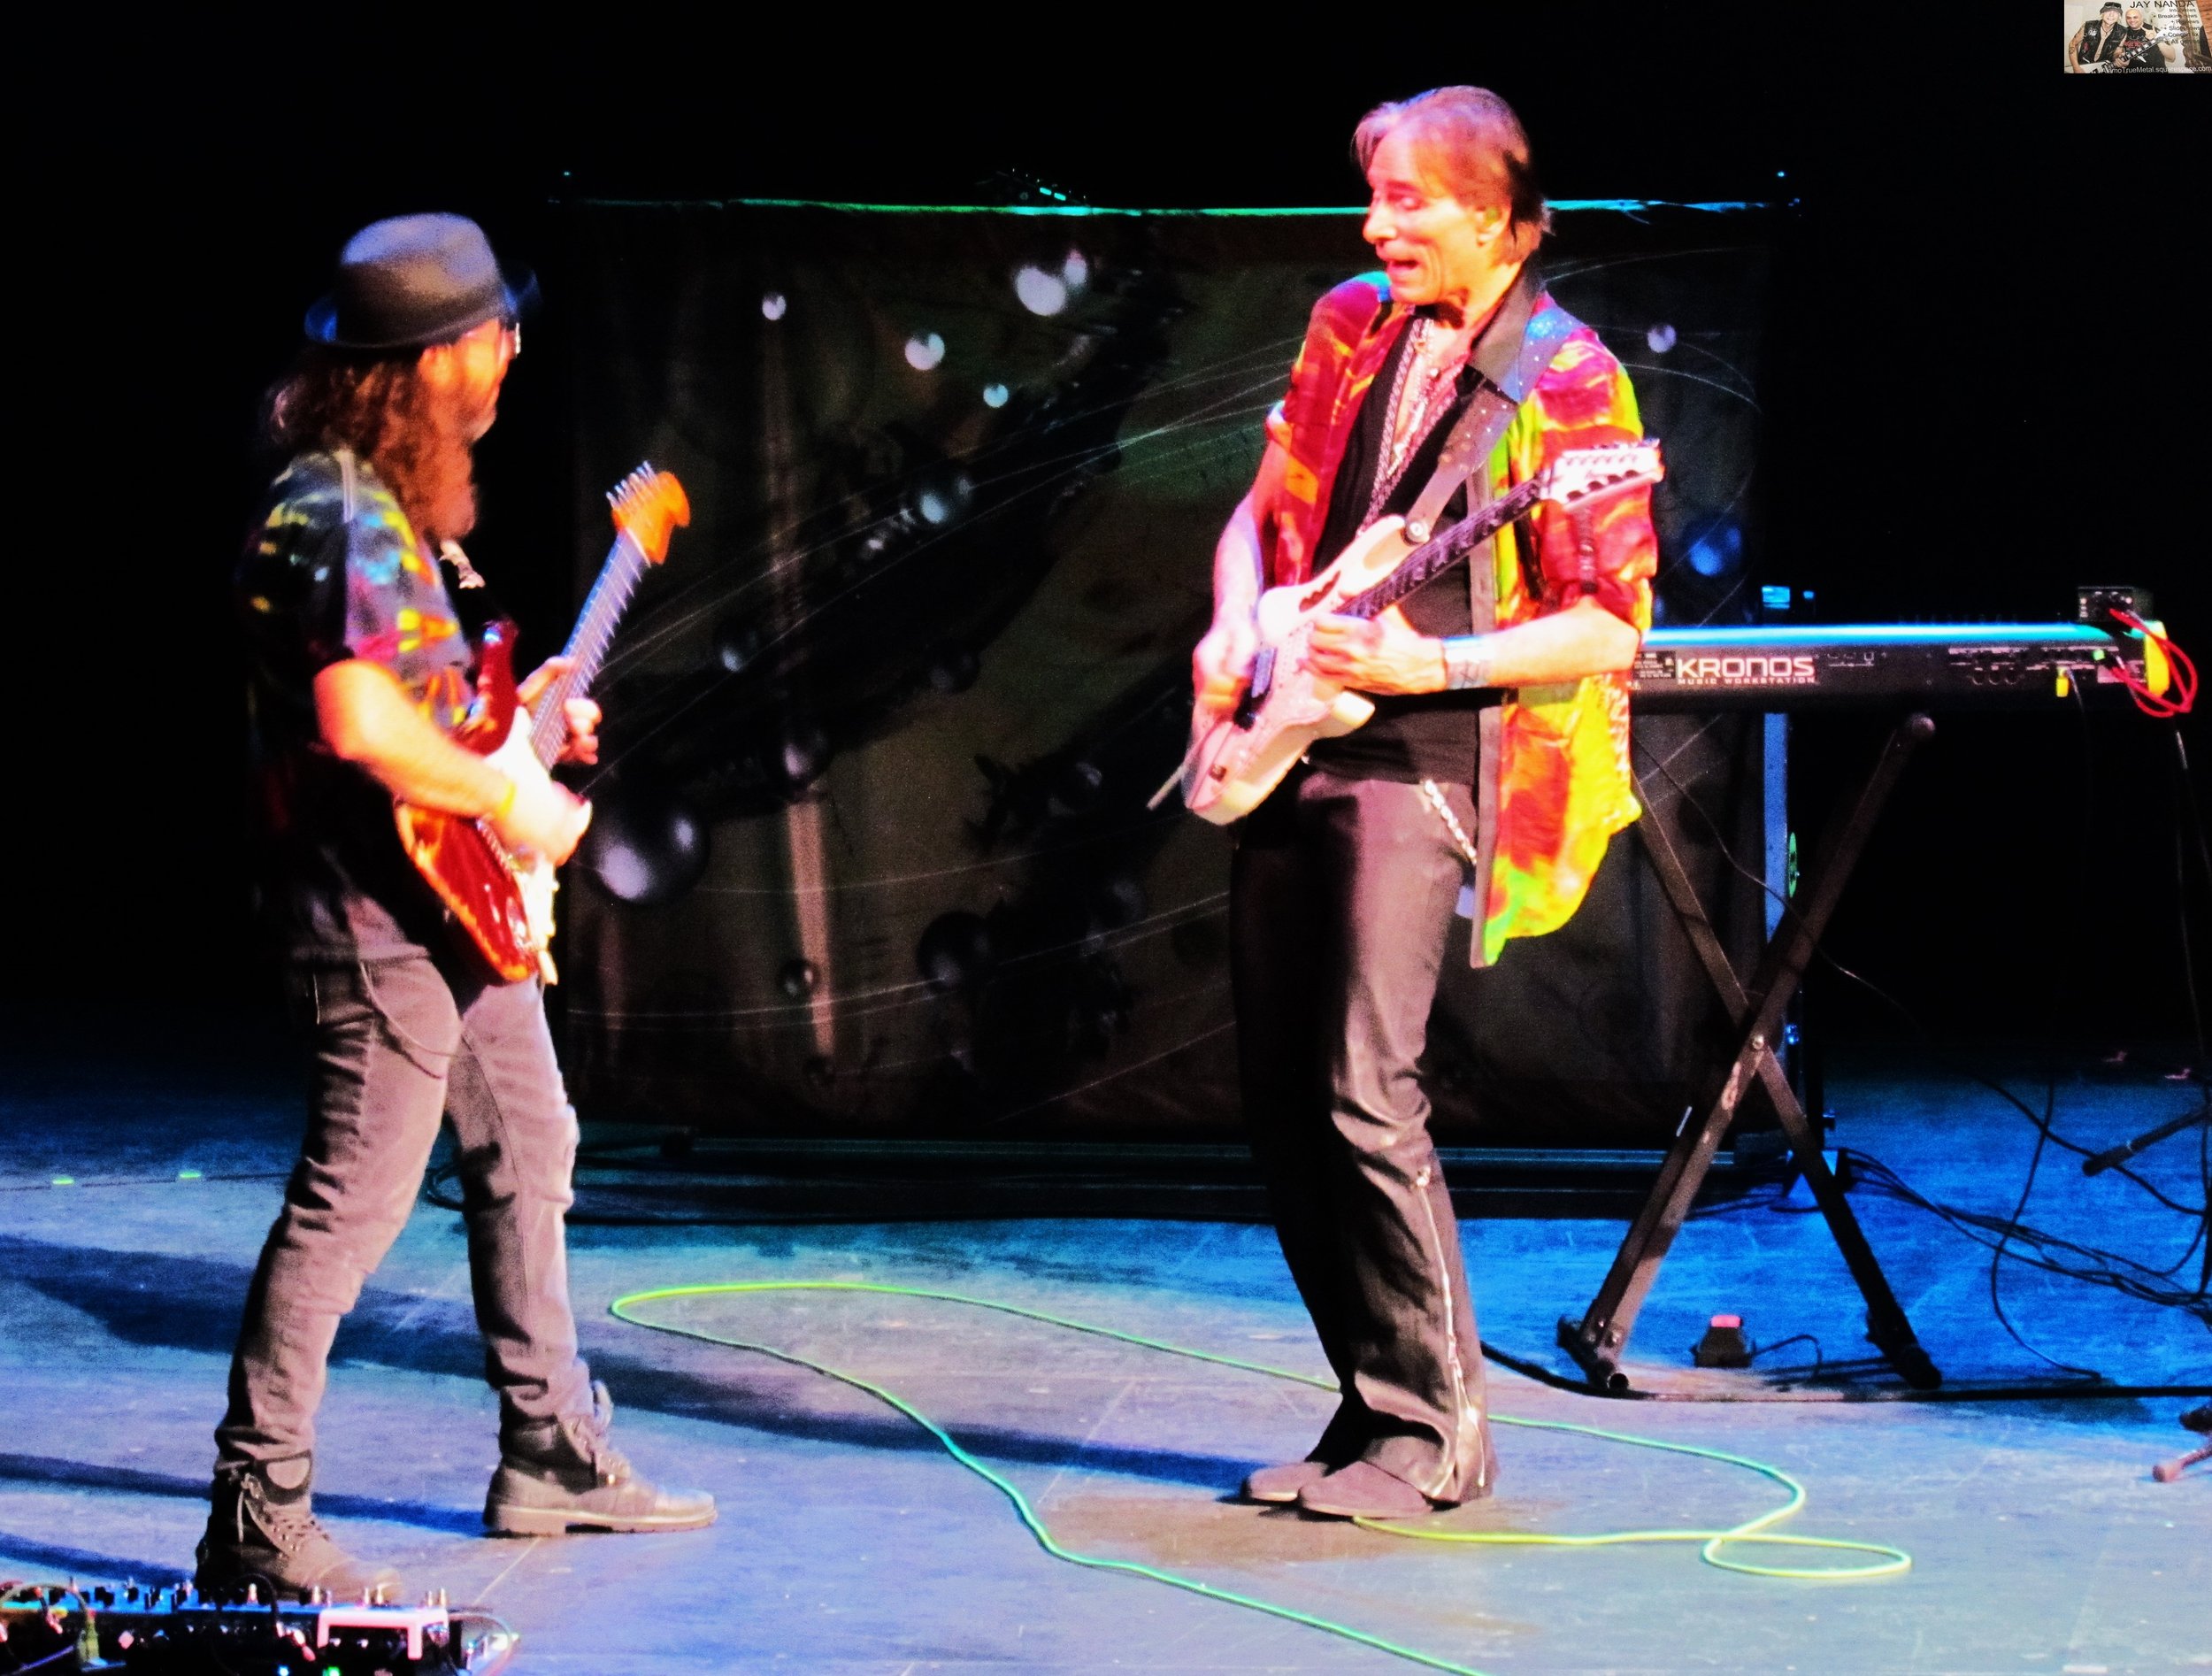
502,900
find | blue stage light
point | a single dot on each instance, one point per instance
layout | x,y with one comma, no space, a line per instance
1716,551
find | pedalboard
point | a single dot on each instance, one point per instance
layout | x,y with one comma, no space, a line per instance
179,1632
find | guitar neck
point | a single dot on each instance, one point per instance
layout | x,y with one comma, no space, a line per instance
587,645
1430,560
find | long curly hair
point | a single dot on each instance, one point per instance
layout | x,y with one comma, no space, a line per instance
383,408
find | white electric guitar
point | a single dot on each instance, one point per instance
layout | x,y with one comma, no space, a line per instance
2138,54
1237,760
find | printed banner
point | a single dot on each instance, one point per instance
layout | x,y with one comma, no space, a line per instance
2148,37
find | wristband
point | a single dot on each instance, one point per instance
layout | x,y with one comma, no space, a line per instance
1467,661
506,806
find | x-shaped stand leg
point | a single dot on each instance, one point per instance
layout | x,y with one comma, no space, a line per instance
1597,1340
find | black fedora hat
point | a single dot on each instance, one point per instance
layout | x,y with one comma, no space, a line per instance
416,279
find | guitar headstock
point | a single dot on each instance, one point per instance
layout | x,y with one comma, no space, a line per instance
648,506
1584,476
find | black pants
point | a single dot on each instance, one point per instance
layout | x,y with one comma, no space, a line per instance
1342,896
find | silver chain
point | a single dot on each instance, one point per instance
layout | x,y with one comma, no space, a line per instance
1434,793
1403,441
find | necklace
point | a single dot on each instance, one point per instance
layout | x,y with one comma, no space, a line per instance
1414,409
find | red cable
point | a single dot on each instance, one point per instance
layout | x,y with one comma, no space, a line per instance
2184,673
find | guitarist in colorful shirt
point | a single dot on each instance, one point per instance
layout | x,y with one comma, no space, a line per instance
1499,755
360,674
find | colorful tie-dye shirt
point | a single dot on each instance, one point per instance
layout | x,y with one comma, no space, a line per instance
332,570
1563,780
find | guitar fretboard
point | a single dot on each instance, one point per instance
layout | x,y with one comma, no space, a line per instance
1430,560
608,598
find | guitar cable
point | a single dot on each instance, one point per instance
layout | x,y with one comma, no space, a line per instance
2184,670
1759,1530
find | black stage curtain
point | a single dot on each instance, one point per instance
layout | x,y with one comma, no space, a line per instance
872,855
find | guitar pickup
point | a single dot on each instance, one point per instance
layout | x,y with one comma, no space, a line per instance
1256,689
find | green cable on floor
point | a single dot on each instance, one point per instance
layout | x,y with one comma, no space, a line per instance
1752,1531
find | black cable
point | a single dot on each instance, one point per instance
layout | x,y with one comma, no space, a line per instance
1983,1229
2188,809
2186,805
1997,1251
1819,1358
1913,1020
2009,1230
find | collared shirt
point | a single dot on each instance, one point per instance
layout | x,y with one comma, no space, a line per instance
335,571
1563,780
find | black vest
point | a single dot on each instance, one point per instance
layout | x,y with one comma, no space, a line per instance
2097,42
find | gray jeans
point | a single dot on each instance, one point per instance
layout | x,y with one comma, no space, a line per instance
1340,899
399,1044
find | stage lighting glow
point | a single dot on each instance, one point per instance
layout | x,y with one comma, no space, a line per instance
1041,293
925,351
1716,551
942,496
995,394
1076,271
735,646
954,952
645,849
954,669
772,305
1661,337
623,871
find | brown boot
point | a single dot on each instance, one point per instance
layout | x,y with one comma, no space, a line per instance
564,1475
1279,1486
262,1530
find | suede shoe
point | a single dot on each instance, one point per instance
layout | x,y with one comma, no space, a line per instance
564,1475
1279,1486
262,1529
1363,1490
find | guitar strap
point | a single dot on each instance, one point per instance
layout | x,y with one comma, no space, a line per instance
1535,335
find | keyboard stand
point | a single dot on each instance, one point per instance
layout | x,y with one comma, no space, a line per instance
1597,1340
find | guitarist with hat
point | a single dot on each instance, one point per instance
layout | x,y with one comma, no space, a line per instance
1498,754
361,673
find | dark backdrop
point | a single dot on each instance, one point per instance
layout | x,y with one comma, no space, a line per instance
873,851
1989,354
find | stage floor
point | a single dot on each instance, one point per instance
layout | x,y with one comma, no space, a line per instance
849,1541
